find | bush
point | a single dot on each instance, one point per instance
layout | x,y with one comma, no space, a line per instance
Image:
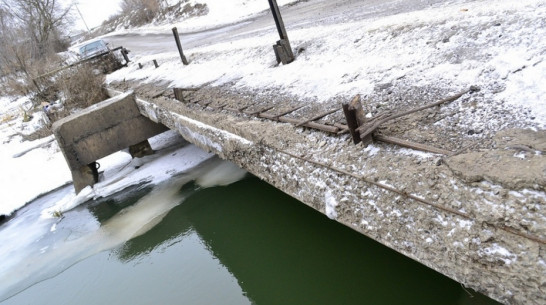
81,87
140,11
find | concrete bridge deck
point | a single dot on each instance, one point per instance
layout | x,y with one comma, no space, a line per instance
461,218
476,216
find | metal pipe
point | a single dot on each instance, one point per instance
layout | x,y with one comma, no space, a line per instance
179,46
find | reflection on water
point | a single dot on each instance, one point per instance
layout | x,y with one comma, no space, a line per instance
246,243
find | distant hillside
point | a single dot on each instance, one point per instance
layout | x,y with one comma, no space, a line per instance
136,13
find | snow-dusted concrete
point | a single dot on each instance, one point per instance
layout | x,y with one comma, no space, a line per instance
477,216
101,130
468,231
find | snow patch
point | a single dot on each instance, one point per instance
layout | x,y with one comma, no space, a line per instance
465,224
496,250
69,202
330,205
416,153
371,150
121,172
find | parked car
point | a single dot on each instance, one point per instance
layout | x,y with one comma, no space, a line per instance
92,48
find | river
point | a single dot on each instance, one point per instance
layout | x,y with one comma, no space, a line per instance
195,240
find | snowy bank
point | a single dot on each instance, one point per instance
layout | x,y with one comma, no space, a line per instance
496,45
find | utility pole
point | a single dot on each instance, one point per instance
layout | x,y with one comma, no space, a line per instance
82,17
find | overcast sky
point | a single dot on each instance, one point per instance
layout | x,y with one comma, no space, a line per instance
94,12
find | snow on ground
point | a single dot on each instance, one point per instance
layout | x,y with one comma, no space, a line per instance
33,168
35,171
121,171
496,45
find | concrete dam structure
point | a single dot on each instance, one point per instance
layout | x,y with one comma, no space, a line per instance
489,236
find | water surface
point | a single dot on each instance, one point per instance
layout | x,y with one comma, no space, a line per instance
245,243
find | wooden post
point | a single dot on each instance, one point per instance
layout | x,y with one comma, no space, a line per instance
350,115
179,46
124,53
155,64
283,50
356,117
178,94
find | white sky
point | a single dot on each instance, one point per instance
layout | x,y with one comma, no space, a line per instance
94,12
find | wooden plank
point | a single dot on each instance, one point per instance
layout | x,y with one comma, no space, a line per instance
283,46
268,116
219,107
343,128
207,104
320,116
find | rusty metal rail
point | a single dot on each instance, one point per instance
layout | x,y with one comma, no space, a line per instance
355,119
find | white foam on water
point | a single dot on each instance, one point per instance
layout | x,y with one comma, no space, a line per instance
223,173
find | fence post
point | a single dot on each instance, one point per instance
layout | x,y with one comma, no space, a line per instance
155,63
124,53
283,50
179,45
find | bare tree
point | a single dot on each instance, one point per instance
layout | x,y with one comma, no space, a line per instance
30,31
41,20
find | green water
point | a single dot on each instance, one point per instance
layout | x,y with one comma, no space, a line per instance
246,243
